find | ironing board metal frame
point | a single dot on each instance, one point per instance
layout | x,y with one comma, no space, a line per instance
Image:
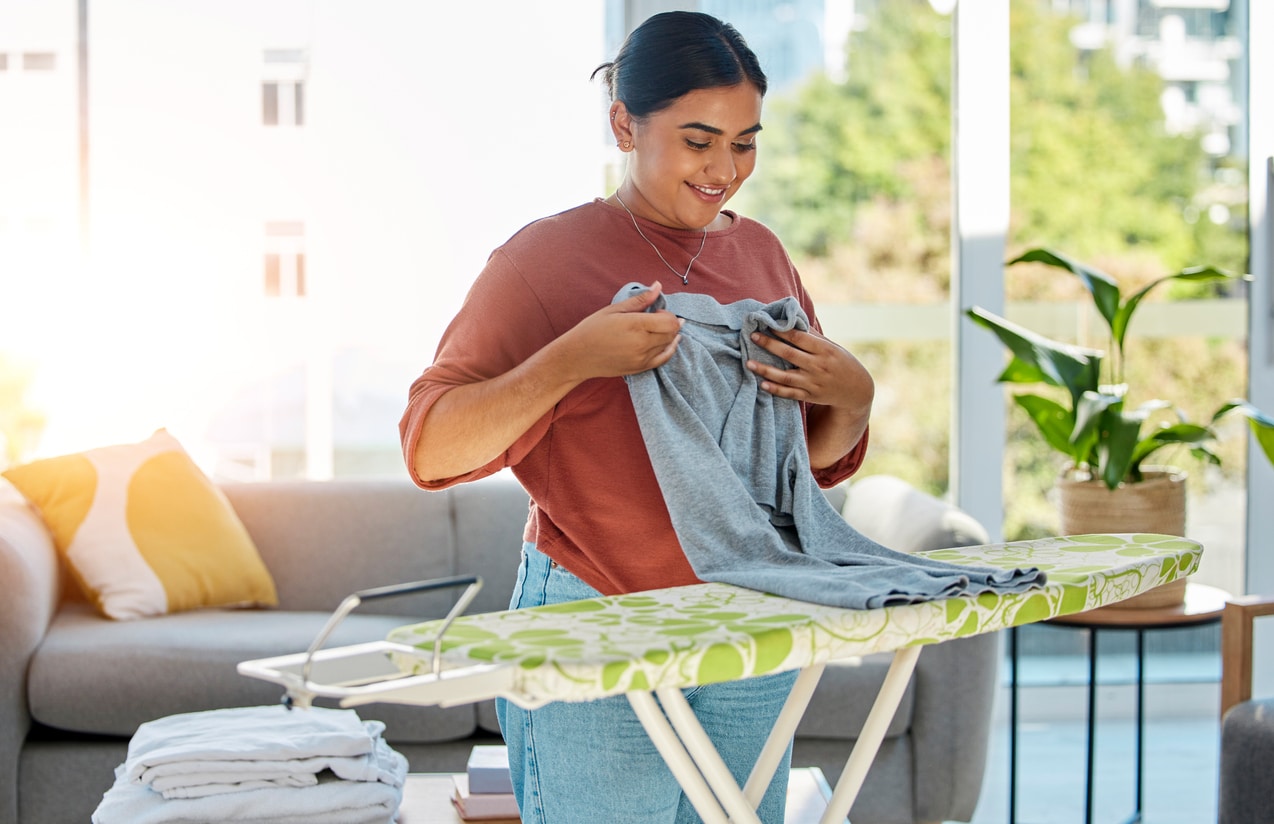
650,646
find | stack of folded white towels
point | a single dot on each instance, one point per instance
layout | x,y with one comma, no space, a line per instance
273,764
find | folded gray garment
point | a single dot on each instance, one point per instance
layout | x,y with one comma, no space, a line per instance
733,465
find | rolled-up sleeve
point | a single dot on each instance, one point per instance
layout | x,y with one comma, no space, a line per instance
848,464
851,461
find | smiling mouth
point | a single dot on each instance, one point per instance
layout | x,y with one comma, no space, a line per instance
708,190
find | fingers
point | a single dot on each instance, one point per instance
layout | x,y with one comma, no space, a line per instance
790,345
640,301
797,348
622,338
784,382
819,370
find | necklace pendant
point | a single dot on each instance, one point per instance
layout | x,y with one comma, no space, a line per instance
685,276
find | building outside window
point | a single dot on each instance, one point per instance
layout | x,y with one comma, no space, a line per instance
39,61
284,259
283,87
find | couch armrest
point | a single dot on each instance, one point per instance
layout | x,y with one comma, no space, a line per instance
29,569
894,513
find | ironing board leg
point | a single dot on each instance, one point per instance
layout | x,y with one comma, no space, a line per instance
678,760
869,740
694,760
781,736
707,781
740,804
705,755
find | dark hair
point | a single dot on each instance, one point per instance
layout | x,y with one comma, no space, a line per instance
674,53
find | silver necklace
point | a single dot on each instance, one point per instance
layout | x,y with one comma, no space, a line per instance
685,276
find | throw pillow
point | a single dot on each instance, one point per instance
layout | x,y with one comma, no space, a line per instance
144,531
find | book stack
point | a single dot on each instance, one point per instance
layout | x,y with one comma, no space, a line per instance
484,792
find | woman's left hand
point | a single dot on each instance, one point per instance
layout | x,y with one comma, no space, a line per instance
822,372
825,375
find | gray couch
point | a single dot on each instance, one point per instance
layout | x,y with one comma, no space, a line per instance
75,686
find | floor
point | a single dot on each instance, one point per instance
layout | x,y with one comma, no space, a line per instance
1181,744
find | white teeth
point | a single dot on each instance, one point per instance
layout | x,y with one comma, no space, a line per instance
707,191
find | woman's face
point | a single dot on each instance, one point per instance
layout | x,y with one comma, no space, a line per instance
690,158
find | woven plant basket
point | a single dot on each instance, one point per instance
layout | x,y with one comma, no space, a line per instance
1156,504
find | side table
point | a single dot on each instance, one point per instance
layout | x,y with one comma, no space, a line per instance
1202,605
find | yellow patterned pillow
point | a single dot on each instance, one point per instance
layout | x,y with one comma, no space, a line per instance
144,531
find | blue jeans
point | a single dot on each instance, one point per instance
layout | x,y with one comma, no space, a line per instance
583,763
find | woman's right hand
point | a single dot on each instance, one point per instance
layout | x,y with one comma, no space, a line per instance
472,424
620,339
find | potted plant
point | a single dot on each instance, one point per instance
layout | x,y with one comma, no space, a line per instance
1107,485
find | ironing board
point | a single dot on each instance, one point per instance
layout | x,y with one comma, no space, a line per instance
650,645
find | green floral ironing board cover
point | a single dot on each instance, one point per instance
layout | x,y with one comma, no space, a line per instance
705,633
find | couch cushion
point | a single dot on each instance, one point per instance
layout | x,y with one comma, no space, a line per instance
144,531
97,676
323,540
490,517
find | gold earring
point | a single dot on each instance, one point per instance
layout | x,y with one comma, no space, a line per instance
627,144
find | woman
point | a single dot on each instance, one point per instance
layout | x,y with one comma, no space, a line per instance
529,375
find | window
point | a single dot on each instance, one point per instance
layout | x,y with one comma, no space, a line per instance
284,259
270,103
283,87
272,289
869,226
300,274
1149,122
283,104
39,61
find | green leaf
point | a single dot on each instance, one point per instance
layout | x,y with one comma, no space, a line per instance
1188,433
1119,325
1205,455
1118,439
1101,286
1183,433
1074,368
1089,413
1019,371
1262,425
1054,421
